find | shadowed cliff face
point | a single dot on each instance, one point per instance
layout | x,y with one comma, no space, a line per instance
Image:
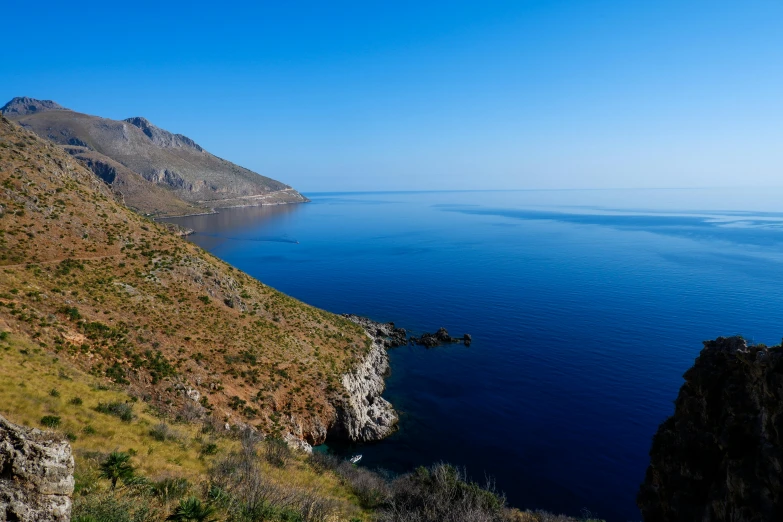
720,456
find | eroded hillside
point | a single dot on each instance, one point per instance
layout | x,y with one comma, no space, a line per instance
122,298
155,171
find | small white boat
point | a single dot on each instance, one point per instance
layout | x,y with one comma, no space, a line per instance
355,459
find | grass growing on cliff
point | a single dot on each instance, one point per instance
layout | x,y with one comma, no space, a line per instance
161,450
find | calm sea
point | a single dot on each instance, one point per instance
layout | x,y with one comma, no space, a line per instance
585,308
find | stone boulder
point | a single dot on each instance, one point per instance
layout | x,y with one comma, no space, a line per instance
36,475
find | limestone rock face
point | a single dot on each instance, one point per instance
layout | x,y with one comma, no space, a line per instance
720,456
36,475
366,416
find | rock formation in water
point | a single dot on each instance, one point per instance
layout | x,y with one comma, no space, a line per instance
442,336
36,475
720,456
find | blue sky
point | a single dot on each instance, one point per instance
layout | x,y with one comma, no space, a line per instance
428,95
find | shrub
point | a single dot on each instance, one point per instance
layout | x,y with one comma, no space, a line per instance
239,486
192,509
72,312
119,409
276,452
116,467
117,373
54,392
88,430
441,492
76,401
162,432
208,449
50,421
371,488
170,488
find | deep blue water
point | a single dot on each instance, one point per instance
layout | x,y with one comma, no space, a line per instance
585,308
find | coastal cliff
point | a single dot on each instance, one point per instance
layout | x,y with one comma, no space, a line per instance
365,416
36,475
720,456
132,303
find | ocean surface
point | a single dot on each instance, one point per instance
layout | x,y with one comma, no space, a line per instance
585,308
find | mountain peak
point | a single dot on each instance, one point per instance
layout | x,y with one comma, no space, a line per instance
22,105
162,137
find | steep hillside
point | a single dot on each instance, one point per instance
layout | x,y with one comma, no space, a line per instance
169,161
180,382
123,299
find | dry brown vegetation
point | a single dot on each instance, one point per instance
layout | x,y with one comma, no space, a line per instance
121,297
127,339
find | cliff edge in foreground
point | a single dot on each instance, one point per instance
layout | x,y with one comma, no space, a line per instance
720,456
36,475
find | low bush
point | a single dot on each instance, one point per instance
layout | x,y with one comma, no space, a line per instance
50,421
441,493
170,488
240,488
162,433
276,452
119,409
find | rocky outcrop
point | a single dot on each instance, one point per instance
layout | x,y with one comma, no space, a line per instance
365,416
442,336
36,475
161,137
720,456
385,333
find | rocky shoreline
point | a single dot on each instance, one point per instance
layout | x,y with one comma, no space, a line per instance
365,416
391,336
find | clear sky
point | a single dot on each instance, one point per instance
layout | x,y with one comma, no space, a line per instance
403,95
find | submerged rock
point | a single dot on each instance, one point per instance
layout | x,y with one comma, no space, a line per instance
720,456
36,475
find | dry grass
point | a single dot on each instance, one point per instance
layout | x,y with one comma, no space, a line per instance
28,376
125,299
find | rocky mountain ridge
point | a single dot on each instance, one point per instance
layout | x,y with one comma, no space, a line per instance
183,178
